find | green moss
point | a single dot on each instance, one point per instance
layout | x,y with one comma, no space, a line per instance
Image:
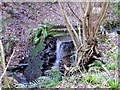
109,25
116,9
118,32
55,32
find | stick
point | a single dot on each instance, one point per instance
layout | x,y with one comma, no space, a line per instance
7,66
68,25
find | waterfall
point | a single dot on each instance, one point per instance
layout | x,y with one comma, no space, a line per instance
62,49
58,53
102,30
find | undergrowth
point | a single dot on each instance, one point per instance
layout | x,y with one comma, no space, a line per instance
52,79
97,76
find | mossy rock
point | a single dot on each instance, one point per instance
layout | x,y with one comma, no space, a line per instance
118,32
42,60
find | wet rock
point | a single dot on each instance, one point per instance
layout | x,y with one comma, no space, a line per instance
118,32
37,65
45,59
67,51
50,43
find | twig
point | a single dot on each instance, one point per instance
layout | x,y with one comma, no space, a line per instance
68,26
89,17
6,84
74,13
7,66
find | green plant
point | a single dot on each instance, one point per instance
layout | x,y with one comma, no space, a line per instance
114,57
38,36
10,40
54,78
118,32
40,33
111,66
108,66
50,83
106,40
54,73
51,80
96,63
112,83
116,8
109,25
92,79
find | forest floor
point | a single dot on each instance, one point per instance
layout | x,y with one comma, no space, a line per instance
18,18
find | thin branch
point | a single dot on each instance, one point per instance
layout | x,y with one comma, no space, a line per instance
6,84
7,65
101,17
80,34
84,23
75,15
2,56
68,25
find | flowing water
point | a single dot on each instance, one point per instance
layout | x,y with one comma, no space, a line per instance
58,50
62,48
60,45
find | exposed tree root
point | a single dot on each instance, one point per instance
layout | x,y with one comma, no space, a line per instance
86,56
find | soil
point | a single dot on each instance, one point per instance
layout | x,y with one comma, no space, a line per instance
19,18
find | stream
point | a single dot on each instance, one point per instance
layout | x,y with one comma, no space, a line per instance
58,51
63,52
62,49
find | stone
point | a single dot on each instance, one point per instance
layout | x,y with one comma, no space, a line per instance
118,32
37,65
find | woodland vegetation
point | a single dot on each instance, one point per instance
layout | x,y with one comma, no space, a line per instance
80,49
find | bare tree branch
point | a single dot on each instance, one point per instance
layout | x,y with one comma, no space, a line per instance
84,22
101,17
4,76
68,26
7,65
89,16
75,15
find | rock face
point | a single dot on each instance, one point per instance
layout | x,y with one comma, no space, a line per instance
43,60
66,54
